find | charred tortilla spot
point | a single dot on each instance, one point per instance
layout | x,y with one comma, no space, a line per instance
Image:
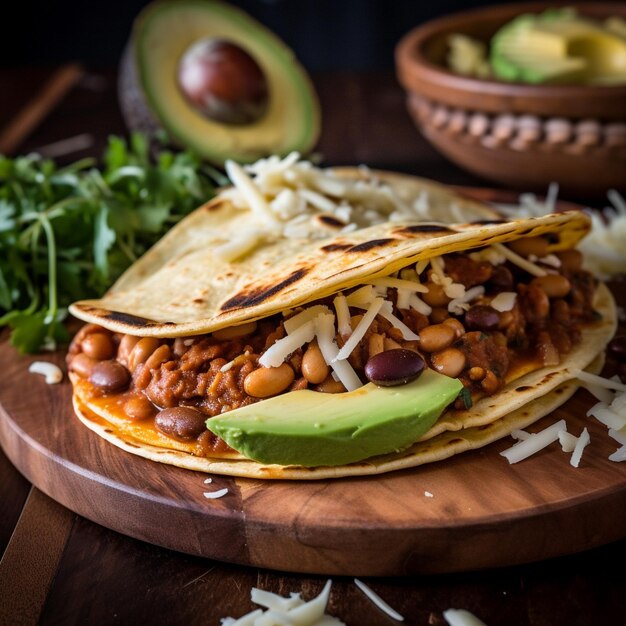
216,205
257,295
332,247
523,388
199,300
124,318
422,228
134,320
331,220
370,245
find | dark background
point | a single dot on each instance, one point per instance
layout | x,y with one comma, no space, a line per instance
326,35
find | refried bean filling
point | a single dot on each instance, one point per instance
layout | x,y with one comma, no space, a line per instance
218,372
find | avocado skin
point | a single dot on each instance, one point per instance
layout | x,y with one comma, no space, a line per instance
310,428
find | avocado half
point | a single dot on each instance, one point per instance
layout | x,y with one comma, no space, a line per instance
151,98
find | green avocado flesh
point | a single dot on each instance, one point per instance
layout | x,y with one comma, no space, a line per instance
161,36
558,47
311,428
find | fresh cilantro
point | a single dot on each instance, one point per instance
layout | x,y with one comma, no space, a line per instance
67,233
466,395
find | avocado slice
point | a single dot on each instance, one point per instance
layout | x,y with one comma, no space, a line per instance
311,428
152,98
557,47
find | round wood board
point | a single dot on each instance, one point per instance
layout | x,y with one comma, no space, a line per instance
472,511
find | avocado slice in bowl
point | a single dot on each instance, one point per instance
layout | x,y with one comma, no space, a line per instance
217,82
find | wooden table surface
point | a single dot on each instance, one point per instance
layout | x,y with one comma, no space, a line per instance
59,568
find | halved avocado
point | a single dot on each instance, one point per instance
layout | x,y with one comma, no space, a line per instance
151,97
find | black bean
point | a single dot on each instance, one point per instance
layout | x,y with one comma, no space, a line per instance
109,376
394,367
482,317
617,347
181,422
501,279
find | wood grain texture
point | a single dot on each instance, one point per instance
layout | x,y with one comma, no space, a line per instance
483,512
30,561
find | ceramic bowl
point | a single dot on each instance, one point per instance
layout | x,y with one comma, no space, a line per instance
518,135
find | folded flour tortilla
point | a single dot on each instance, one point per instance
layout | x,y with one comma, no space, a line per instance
179,288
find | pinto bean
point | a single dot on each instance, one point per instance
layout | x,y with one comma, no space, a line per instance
530,245
160,355
82,365
98,346
449,362
127,343
554,285
435,296
109,376
139,408
454,323
268,381
376,344
571,260
436,337
142,351
314,367
536,303
181,422
490,383
390,344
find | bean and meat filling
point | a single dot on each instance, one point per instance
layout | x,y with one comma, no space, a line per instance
478,317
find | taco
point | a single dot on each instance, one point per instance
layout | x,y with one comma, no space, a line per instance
345,350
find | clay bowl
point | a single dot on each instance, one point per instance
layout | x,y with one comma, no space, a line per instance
518,135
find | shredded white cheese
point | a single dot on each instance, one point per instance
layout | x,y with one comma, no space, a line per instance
461,617
519,434
278,352
457,306
603,247
378,601
286,611
359,332
212,495
504,301
291,324
407,333
520,261
343,316
52,373
534,443
567,440
325,333
581,443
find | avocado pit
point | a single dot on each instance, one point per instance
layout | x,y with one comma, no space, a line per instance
223,82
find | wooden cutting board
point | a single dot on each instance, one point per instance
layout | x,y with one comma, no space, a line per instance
470,512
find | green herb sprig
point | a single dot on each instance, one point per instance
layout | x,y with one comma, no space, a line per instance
67,233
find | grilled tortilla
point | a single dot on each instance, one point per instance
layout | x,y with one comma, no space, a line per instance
181,294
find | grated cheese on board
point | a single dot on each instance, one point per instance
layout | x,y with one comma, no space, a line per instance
378,601
52,373
461,617
534,443
286,611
